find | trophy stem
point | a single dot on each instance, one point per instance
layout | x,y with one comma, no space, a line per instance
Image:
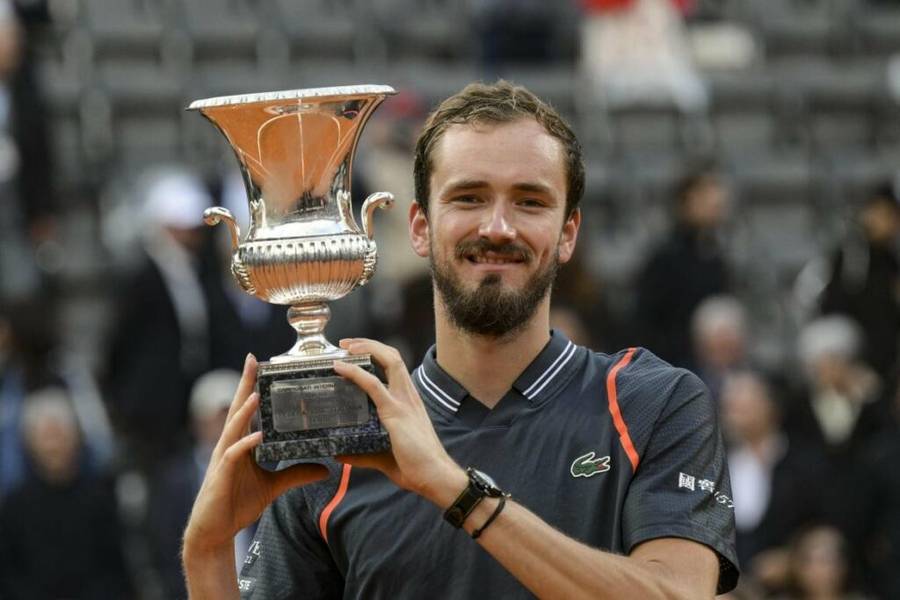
309,320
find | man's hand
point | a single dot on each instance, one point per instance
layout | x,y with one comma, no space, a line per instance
417,460
234,493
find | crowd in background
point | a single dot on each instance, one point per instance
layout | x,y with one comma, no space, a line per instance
99,464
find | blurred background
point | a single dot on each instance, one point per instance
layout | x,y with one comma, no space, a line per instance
741,219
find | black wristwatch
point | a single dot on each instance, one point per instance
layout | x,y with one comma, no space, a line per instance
480,486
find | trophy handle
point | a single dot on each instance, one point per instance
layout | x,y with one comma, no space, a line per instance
217,214
376,200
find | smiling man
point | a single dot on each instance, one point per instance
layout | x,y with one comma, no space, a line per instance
578,474
500,204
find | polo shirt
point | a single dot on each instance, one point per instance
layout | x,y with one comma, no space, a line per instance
612,450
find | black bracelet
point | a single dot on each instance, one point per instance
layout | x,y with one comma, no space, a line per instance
497,511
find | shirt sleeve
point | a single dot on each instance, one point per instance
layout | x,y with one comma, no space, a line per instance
681,486
288,557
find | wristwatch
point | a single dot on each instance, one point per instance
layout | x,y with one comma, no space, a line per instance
480,486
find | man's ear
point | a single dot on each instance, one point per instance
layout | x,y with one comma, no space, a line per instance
569,236
418,230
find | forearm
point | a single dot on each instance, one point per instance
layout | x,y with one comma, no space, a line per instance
210,574
553,565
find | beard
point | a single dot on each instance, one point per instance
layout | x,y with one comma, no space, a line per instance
491,309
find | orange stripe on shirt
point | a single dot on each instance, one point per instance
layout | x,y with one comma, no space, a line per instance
612,395
341,491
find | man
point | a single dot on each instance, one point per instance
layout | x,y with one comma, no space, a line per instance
160,341
777,483
614,463
720,340
864,279
689,266
59,529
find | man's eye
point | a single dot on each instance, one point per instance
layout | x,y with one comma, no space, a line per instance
466,199
531,202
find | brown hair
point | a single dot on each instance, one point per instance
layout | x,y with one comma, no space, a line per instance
501,102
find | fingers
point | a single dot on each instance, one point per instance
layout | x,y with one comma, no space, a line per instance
366,381
237,426
248,381
244,445
386,356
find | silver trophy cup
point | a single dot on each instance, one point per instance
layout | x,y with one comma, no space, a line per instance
303,248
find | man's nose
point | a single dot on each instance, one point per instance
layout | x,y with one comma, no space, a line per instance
497,225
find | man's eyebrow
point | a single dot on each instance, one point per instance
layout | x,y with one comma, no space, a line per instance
472,184
466,184
538,188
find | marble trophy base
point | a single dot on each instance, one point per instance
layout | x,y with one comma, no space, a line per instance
307,411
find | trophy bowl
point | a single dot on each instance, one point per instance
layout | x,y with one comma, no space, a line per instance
303,248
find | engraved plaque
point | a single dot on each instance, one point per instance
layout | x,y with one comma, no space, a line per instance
317,403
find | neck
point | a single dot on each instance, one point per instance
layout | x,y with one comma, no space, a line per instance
488,366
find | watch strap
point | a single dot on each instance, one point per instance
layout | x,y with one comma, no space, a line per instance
463,506
476,533
480,486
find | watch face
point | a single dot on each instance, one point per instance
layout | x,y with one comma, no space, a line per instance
484,481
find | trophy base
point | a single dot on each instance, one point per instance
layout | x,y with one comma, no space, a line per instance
306,410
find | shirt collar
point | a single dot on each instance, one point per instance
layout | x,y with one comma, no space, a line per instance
539,380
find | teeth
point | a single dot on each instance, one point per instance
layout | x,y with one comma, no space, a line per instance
492,261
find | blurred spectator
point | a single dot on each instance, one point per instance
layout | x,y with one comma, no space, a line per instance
842,391
160,340
26,203
878,540
172,493
864,281
775,481
688,267
839,412
26,342
820,567
635,52
29,360
719,333
59,534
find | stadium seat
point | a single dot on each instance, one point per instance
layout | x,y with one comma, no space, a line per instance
218,29
876,29
123,27
319,29
435,29
744,111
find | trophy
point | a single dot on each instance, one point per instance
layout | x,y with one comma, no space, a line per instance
302,249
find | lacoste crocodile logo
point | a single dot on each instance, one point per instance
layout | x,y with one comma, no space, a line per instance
588,466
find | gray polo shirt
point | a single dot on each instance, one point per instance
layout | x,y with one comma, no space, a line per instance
612,450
